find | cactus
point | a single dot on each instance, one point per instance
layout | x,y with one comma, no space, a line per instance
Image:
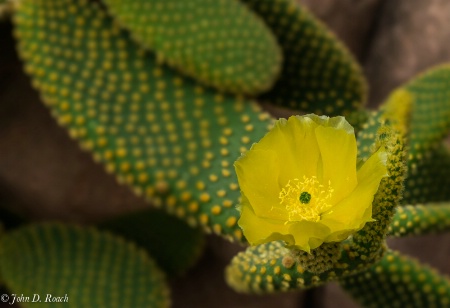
174,141
120,254
81,266
171,139
399,281
171,242
249,272
219,42
319,75
426,101
420,219
245,272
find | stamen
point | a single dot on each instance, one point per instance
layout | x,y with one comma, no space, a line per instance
306,199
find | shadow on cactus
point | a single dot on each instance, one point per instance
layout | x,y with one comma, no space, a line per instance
167,103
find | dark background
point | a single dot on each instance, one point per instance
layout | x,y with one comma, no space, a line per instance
44,175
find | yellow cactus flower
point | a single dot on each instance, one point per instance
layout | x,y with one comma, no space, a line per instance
300,183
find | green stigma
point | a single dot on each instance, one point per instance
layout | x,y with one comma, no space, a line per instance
305,197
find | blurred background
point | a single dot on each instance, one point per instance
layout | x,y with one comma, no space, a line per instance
45,176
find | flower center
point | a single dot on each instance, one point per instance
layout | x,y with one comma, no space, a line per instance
306,199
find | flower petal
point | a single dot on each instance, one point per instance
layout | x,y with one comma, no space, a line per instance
338,152
262,230
338,122
288,151
308,235
304,145
258,171
374,169
296,146
355,210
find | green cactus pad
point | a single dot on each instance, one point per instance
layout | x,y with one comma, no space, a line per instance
318,260
358,118
420,219
94,269
171,242
369,241
170,139
367,135
426,101
219,42
271,267
319,75
430,109
428,179
399,281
